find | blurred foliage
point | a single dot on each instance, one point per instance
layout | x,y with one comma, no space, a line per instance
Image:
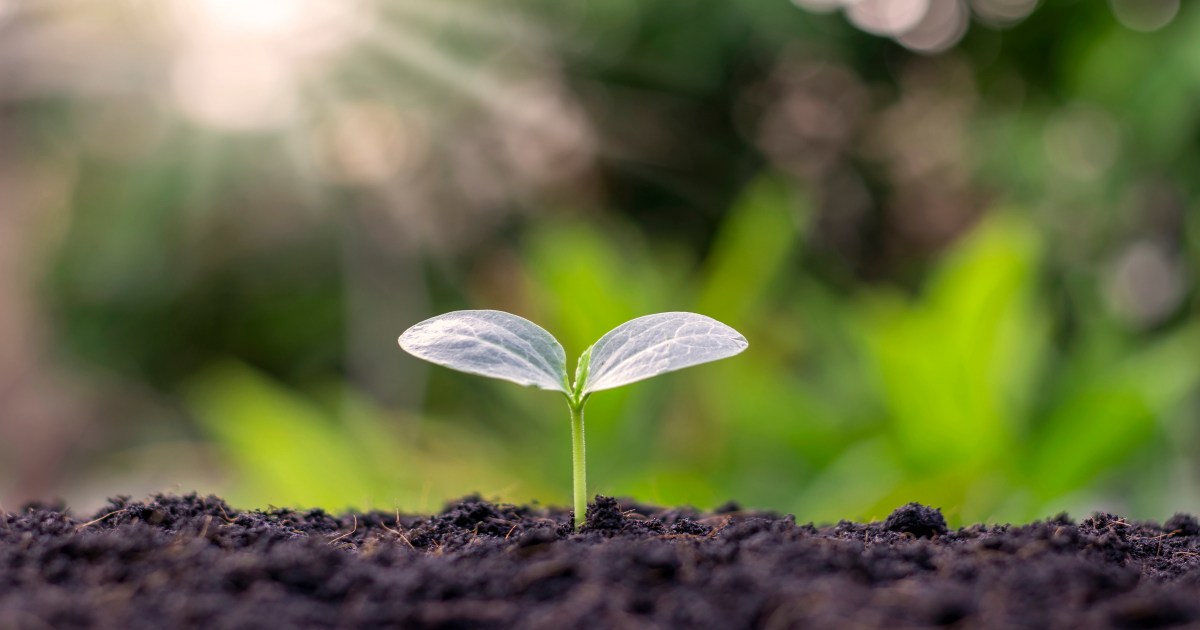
967,279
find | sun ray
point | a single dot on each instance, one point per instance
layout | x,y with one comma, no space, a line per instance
474,19
419,53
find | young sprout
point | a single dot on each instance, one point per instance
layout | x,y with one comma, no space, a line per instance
511,348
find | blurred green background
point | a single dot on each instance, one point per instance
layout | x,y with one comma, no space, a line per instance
961,236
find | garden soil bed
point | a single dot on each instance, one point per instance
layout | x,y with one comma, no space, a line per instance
194,562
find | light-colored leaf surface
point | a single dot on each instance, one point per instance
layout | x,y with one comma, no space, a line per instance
490,343
654,344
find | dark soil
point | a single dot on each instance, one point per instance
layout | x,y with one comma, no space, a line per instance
193,562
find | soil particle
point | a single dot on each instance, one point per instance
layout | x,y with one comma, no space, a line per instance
916,519
728,508
689,527
1184,524
604,515
195,562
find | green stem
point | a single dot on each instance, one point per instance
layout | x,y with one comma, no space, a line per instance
580,460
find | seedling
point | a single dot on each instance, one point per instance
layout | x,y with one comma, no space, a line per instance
511,348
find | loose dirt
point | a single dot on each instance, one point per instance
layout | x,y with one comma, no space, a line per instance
195,562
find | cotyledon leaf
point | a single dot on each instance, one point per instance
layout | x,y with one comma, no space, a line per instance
654,344
491,343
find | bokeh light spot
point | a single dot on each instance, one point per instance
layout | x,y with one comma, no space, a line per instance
943,26
1147,285
1003,12
1144,15
1083,142
887,17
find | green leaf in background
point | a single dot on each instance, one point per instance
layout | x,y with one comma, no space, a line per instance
1113,414
294,452
958,366
288,449
1098,427
592,280
1151,80
751,251
852,485
751,248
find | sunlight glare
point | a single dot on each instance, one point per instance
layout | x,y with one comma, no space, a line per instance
261,17
235,90
240,64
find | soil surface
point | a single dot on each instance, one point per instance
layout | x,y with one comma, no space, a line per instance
194,562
